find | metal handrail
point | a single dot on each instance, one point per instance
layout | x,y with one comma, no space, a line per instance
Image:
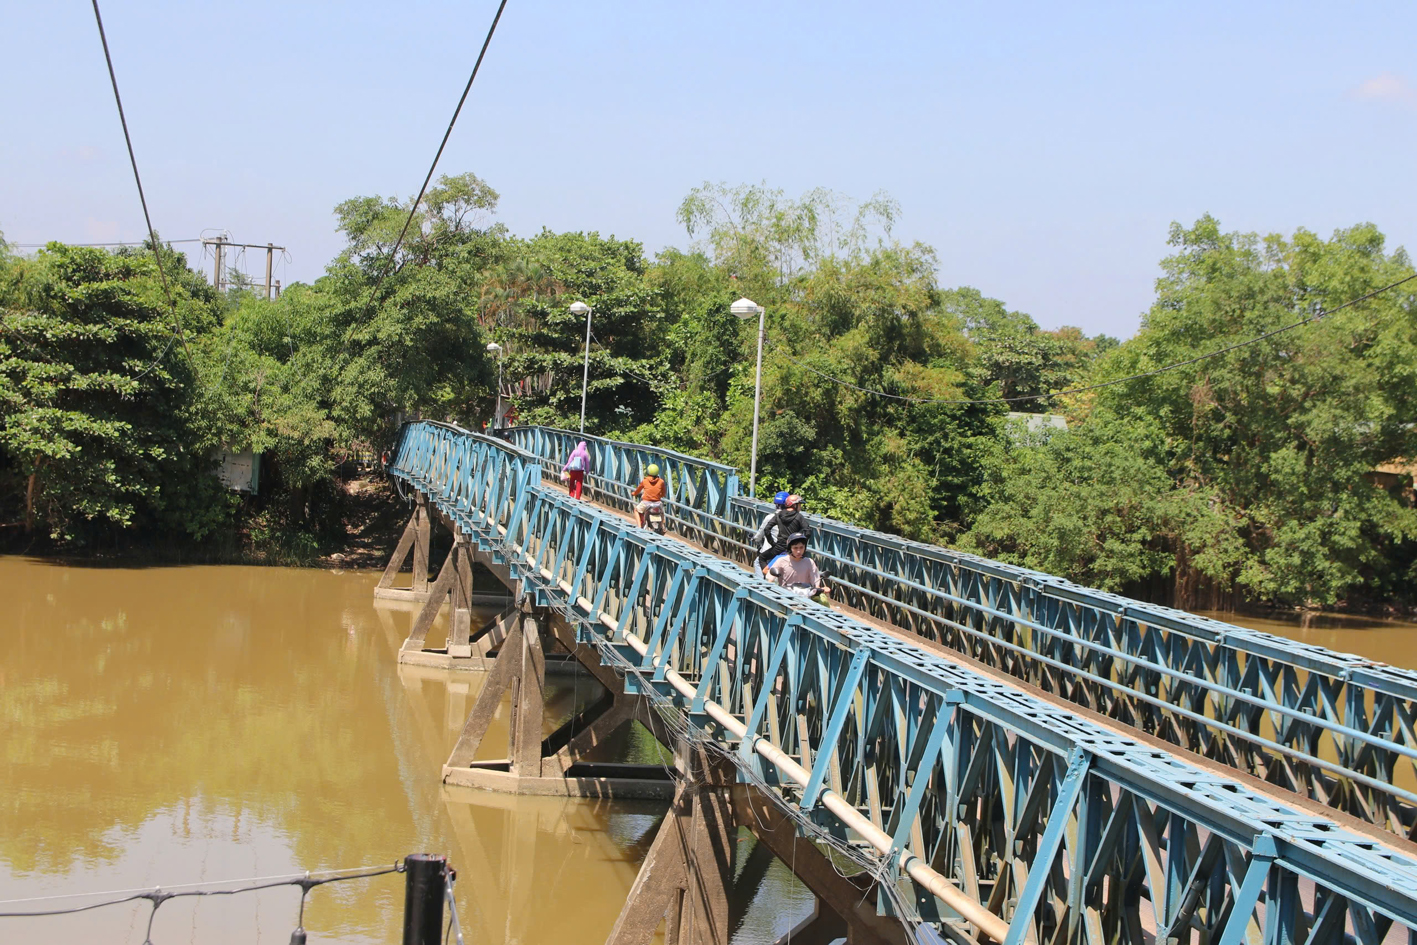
577,555
1368,686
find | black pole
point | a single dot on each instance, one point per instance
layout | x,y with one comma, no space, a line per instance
423,898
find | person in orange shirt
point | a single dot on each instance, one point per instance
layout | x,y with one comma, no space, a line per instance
650,492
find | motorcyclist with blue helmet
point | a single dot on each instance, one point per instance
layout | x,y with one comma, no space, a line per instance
766,535
786,522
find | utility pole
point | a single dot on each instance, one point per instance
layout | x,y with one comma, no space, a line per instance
217,273
220,244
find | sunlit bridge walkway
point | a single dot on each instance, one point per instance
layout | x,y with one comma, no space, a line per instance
989,753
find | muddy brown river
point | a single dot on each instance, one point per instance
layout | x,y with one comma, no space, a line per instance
161,726
172,725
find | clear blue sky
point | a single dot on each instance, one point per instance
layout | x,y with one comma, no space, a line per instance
1042,149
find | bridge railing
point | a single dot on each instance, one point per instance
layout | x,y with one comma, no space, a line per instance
1332,726
617,467
1029,821
472,471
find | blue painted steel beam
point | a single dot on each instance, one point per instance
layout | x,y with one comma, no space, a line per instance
745,652
1336,727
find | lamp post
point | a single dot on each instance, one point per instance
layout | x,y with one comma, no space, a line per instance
747,308
496,349
580,308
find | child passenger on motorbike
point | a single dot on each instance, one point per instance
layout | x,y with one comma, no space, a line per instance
650,491
796,572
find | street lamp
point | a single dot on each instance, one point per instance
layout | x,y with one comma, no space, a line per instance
580,308
495,349
747,308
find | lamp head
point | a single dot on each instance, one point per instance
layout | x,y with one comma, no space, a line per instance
493,348
745,308
580,308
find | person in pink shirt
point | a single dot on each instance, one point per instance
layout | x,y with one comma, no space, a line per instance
577,465
796,572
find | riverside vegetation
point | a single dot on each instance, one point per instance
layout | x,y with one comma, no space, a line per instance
1247,478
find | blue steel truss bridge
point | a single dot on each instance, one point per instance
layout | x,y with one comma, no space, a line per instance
955,749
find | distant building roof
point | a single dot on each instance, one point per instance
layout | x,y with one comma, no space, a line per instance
1040,421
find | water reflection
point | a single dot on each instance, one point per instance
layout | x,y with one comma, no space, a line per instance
168,725
174,724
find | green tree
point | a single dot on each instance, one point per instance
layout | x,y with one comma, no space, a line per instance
1096,504
416,346
1285,432
754,230
1014,358
95,392
628,373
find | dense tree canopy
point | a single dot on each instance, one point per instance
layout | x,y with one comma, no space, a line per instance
885,397
1268,450
96,417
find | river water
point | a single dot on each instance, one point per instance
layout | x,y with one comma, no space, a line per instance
172,725
1388,641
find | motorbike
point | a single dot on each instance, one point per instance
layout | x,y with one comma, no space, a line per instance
654,517
819,594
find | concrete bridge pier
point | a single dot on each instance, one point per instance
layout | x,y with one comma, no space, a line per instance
415,538
685,881
554,763
846,906
453,587
454,582
686,876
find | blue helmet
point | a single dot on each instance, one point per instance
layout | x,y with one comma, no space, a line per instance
780,500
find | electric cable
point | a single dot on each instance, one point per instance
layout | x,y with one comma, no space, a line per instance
142,198
158,894
1119,380
413,210
95,245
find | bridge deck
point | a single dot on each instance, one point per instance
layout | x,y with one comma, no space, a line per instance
1334,727
1008,805
1400,845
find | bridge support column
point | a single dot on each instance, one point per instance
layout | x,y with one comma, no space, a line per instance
454,584
553,764
685,878
415,538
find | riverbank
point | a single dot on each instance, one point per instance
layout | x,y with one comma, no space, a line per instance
354,526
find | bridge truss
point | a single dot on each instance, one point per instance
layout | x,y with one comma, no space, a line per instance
1334,727
999,814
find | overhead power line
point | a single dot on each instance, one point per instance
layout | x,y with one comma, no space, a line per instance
95,245
142,198
413,210
1119,380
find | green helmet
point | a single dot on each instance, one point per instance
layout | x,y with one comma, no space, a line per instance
652,470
